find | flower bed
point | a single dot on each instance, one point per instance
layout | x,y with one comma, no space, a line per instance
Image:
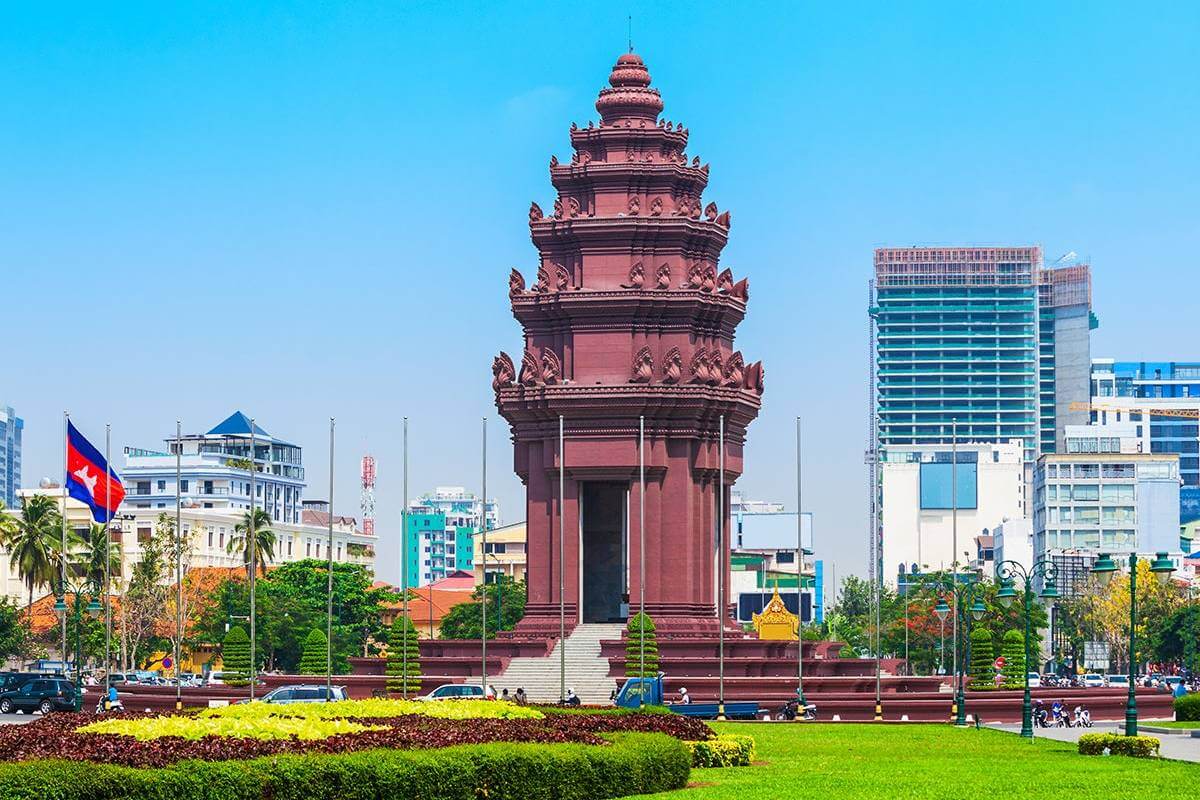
631,764
58,736
188,727
377,708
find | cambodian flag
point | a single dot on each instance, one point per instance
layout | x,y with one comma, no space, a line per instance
88,479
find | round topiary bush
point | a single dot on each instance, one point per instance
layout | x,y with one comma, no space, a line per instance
1187,708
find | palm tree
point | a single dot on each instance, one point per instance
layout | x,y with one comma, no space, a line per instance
264,540
89,561
35,546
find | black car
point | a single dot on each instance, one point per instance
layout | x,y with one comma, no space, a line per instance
44,695
11,681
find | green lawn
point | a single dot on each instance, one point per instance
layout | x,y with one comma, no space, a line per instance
1169,723
913,762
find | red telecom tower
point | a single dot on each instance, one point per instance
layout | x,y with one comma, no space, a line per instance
629,317
367,499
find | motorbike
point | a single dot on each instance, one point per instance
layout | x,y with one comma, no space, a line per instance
109,708
791,709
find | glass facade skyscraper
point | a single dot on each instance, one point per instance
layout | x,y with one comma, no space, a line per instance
1132,391
10,455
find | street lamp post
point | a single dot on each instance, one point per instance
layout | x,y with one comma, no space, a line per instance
1010,572
970,609
1104,569
80,590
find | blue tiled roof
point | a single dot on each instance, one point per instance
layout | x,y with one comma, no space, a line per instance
235,424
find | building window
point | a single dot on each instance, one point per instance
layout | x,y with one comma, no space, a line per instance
308,550
162,486
183,485
222,538
289,547
210,539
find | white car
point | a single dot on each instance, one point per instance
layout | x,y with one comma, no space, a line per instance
459,691
1119,681
1092,680
1035,680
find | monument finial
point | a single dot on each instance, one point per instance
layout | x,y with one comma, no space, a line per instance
631,33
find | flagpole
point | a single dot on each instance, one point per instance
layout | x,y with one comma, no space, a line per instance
642,562
178,561
404,573
562,608
329,586
252,544
483,528
62,586
108,514
721,569
799,581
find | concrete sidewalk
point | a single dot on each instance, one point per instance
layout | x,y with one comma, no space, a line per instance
1180,746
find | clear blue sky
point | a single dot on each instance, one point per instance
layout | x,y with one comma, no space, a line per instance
309,210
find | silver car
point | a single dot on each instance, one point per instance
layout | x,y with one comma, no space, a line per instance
305,693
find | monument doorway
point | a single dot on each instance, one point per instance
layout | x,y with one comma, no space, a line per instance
604,553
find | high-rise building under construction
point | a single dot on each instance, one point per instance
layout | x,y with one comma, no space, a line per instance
975,345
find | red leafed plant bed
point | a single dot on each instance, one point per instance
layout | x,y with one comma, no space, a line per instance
54,736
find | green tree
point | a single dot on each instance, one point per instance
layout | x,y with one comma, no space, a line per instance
316,651
983,656
404,658
34,543
261,545
89,557
15,639
1178,638
144,605
235,657
1014,659
641,635
505,600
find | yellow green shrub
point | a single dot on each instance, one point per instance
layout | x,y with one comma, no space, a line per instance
724,751
377,708
190,727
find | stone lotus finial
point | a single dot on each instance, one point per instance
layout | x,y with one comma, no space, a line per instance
574,126
741,290
672,366
543,280
656,207
662,279
551,367
503,371
637,277
710,212
516,283
531,373
572,207
696,161
704,169
643,366
735,370
708,280
724,220
725,281
558,208
553,161
535,212
590,124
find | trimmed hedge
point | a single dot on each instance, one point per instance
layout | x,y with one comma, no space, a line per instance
1187,708
724,751
635,763
1094,744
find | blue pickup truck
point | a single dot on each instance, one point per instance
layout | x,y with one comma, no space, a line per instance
650,690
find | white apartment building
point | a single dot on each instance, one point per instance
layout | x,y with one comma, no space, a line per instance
215,472
920,485
457,505
208,532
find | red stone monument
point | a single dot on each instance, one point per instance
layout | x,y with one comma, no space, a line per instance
630,316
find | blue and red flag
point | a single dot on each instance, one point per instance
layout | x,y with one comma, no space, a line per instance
88,478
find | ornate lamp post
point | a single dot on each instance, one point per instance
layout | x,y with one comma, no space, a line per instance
1104,569
93,610
969,592
1010,572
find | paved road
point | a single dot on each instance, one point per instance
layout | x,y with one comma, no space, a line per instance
1180,747
18,719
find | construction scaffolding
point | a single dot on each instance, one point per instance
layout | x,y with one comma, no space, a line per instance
1065,286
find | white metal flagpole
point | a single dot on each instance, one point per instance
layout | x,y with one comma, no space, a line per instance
252,544
483,531
562,561
329,586
178,561
62,586
404,571
721,569
642,562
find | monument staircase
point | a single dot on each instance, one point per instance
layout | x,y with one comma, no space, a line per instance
587,669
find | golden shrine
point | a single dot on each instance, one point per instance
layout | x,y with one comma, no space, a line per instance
775,621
